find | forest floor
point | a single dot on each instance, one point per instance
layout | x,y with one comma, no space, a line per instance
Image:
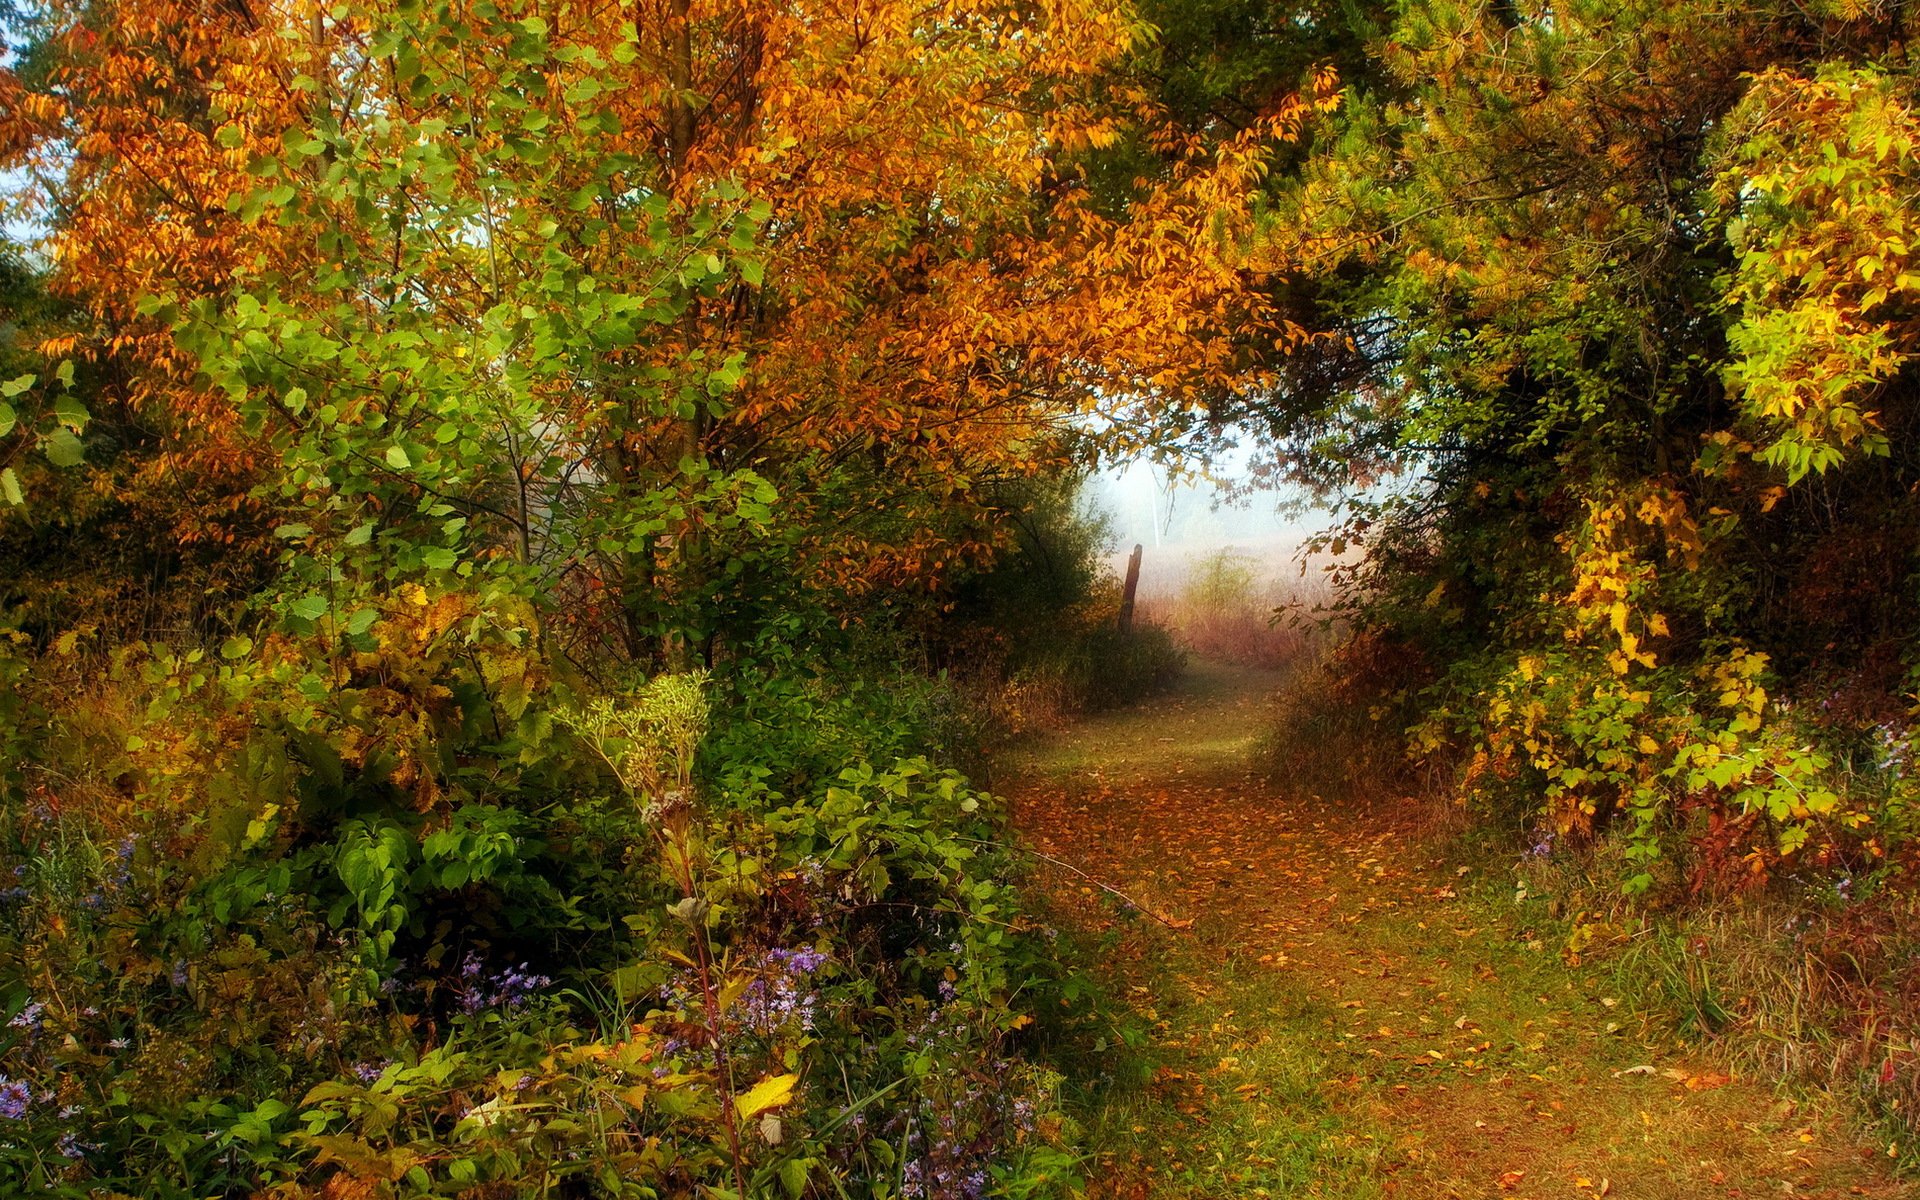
1353,1011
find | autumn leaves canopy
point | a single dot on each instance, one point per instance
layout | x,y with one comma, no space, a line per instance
573,293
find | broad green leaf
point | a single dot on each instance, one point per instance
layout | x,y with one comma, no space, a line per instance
71,413
63,449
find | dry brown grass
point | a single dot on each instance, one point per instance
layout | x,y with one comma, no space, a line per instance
1235,608
1800,981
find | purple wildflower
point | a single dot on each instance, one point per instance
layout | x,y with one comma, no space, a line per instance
510,989
15,1098
123,862
781,994
31,1018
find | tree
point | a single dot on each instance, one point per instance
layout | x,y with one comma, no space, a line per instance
938,294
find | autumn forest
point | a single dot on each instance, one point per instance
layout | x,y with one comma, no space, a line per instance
556,639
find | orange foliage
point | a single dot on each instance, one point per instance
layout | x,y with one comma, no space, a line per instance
941,295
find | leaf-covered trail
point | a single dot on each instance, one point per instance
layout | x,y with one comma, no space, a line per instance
1352,1014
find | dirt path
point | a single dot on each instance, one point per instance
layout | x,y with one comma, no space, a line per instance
1349,1015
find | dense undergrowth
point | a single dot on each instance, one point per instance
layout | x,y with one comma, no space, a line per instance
733,931
731,935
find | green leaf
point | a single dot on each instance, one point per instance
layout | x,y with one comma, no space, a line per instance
310,608
64,372
362,620
236,647
71,413
359,535
13,387
8,418
10,487
63,449
397,458
439,558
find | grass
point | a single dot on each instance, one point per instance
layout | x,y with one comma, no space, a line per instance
1347,1005
1234,608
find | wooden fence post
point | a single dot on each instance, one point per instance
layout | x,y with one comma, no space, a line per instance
1132,586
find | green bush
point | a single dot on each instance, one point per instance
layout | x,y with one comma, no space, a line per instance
1034,637
665,953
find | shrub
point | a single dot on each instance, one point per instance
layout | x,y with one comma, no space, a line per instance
1337,723
637,955
1033,639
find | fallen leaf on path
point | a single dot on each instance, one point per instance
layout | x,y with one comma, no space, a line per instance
1510,1180
1704,1081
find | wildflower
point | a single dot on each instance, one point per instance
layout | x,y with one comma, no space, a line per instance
510,989
370,1072
71,1146
122,863
780,995
31,1018
517,985
118,1043
15,1099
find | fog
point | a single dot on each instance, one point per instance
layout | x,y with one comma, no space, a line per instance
1181,522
